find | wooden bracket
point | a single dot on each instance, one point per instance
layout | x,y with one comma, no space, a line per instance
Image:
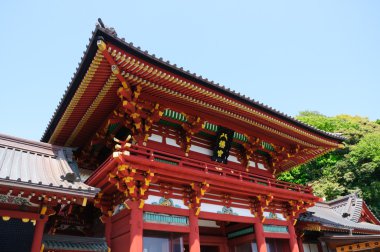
194,194
259,204
104,205
295,208
192,126
226,199
154,116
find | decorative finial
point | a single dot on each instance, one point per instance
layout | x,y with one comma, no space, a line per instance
101,23
110,30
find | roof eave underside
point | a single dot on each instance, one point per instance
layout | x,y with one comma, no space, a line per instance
327,217
47,188
129,48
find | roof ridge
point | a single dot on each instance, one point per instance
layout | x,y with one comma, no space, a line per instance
191,75
29,145
68,88
357,209
330,218
341,198
215,84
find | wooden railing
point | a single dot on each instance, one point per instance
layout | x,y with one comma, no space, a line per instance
213,168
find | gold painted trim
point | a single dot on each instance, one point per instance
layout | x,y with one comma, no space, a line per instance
204,92
138,80
78,95
90,111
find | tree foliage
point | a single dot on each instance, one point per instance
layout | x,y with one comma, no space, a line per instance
355,168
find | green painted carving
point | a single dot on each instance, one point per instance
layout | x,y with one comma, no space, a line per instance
174,115
275,229
227,210
267,146
240,137
211,127
165,161
15,200
165,202
272,216
166,219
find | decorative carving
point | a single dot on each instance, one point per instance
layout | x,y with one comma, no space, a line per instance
192,126
194,194
103,136
249,148
295,208
125,176
272,216
166,202
312,227
155,115
226,199
166,190
105,206
259,204
227,210
16,200
130,105
282,154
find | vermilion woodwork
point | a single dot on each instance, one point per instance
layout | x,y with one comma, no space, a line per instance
194,242
38,233
260,238
293,238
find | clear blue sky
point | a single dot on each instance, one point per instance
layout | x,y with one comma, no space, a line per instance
291,55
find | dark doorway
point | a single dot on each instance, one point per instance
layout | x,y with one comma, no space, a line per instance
209,248
16,236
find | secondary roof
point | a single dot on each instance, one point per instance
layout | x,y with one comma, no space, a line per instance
30,165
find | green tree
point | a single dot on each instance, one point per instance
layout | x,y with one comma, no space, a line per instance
355,168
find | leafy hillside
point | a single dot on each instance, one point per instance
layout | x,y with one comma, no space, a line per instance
355,168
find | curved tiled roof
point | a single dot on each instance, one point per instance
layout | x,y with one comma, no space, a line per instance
331,214
350,205
327,217
29,164
74,243
110,35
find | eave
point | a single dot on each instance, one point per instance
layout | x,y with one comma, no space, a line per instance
91,98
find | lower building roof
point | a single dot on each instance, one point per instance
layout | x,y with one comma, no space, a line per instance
342,213
33,165
74,243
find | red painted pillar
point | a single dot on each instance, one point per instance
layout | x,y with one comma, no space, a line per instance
194,244
293,237
260,238
300,246
136,231
38,233
108,230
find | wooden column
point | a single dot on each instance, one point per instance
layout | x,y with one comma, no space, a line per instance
38,233
300,246
293,237
108,230
194,243
260,237
136,231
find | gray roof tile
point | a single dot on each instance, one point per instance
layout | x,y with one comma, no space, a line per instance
25,163
331,214
74,243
